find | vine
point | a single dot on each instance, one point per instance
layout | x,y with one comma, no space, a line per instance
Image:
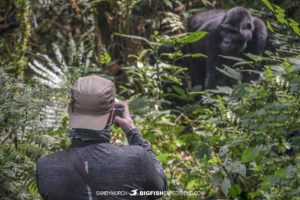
23,16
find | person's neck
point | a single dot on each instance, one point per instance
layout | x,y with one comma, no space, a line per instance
82,137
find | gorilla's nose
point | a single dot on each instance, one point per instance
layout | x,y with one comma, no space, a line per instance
226,42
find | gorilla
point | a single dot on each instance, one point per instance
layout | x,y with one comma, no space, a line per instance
232,32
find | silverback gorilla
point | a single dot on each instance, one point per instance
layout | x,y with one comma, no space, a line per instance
231,32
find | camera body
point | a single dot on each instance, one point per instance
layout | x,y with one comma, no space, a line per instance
119,110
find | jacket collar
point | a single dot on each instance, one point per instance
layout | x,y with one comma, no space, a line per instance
83,137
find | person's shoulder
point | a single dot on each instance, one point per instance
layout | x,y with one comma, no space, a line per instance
129,150
130,147
51,158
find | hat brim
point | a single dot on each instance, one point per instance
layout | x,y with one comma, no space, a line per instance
93,122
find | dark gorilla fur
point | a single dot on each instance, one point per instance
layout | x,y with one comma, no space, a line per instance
231,32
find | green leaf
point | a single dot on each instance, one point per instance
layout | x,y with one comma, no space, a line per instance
251,154
268,4
71,50
235,191
294,60
236,167
203,151
168,3
163,158
185,38
192,37
216,179
178,90
105,58
269,25
230,72
223,150
198,55
296,192
225,186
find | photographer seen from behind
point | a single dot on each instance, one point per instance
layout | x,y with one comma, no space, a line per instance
92,168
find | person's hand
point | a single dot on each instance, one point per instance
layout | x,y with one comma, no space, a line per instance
126,122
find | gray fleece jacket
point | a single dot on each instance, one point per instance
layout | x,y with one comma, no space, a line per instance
123,172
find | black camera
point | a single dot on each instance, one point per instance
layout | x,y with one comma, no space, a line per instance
119,110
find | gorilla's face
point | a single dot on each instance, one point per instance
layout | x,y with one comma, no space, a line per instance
236,30
232,42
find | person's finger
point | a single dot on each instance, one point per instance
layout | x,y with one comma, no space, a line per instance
122,103
119,120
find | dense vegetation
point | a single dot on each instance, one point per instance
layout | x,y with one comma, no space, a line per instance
237,142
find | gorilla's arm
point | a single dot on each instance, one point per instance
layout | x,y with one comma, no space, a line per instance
212,59
195,65
203,72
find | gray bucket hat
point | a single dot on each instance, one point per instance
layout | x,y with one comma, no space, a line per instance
93,98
